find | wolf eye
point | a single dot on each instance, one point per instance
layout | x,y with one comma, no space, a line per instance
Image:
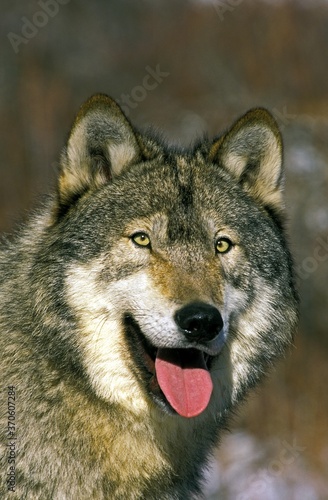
141,239
223,245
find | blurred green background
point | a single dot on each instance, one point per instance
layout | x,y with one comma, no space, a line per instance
210,61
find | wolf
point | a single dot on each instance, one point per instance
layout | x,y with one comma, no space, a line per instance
144,298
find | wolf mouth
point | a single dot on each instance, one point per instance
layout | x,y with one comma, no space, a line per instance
177,379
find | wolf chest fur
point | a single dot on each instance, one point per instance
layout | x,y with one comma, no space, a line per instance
139,305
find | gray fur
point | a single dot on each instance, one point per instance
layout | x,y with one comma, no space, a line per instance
74,286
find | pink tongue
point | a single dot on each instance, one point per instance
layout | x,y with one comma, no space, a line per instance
183,377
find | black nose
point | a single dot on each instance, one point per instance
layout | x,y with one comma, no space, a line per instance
199,321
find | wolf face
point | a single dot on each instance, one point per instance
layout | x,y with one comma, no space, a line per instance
177,272
140,304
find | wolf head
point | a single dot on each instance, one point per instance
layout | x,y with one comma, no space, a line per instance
175,274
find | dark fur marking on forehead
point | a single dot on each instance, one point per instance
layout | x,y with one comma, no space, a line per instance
183,172
181,212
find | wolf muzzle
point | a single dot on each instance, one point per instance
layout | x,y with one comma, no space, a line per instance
183,374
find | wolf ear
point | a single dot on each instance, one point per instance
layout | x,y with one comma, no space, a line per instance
252,152
100,145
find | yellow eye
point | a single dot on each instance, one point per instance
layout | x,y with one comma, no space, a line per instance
223,245
141,239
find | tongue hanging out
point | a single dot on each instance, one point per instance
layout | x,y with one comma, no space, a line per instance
184,379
